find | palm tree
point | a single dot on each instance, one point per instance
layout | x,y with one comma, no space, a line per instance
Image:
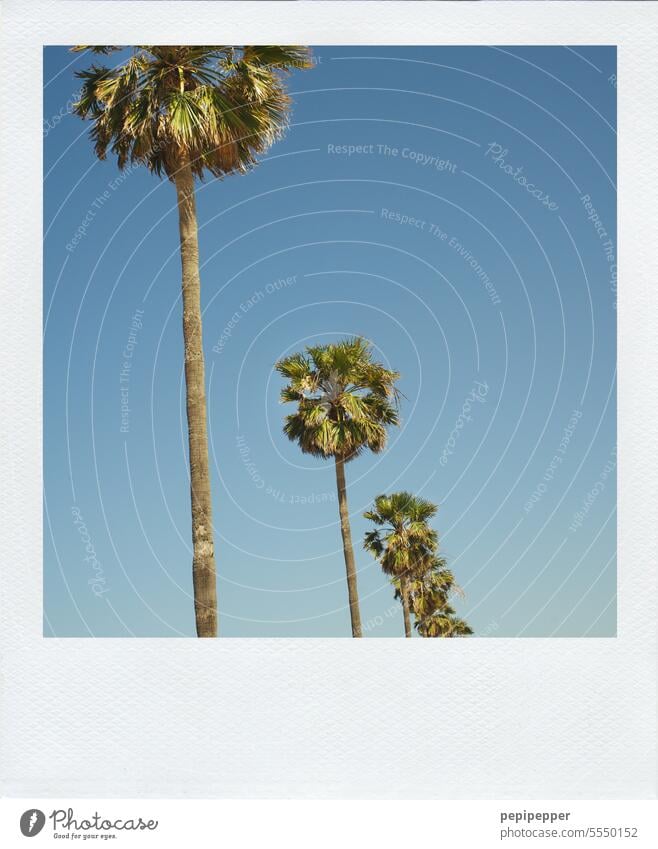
429,589
403,543
429,595
183,111
443,624
345,401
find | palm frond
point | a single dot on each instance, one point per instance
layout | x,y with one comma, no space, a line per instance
340,409
406,547
103,50
216,108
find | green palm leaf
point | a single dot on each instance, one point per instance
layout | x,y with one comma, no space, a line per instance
345,399
216,107
407,550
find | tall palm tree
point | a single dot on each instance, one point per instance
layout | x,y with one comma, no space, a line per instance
403,543
181,112
345,401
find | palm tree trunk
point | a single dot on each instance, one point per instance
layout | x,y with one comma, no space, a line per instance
350,566
203,563
404,594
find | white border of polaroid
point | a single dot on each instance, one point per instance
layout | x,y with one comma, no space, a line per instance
386,718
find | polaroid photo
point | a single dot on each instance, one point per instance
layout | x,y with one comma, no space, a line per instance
312,348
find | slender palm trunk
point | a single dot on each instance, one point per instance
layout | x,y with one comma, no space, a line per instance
203,563
404,594
350,566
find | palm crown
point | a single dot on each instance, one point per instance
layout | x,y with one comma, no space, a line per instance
429,597
403,543
430,590
344,399
214,108
443,623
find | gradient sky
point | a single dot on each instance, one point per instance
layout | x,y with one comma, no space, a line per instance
311,246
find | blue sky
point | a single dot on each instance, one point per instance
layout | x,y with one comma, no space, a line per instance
457,207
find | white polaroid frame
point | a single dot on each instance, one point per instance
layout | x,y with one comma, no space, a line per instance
385,718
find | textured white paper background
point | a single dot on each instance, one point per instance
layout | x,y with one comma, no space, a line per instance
327,718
